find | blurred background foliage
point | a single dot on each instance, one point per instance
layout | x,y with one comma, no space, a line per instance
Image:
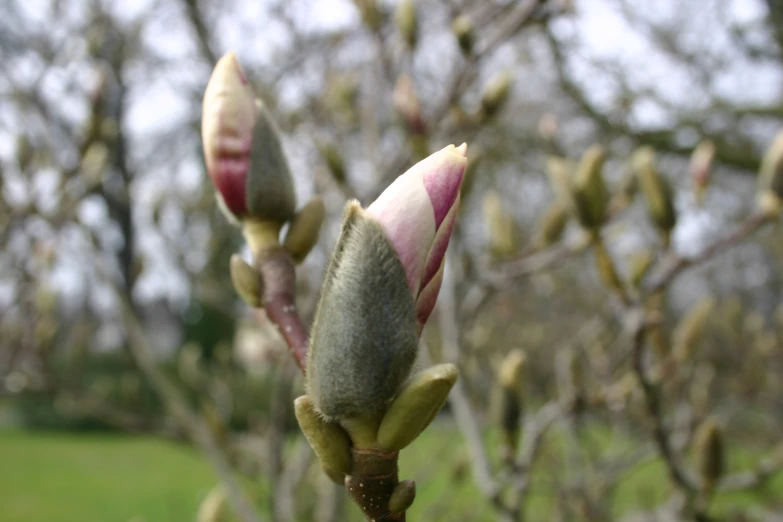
105,208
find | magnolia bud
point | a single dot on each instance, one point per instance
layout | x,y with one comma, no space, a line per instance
402,497
504,232
303,232
360,352
607,271
551,225
380,288
770,184
334,162
462,28
242,149
690,328
406,103
214,507
370,13
419,401
329,441
701,168
559,171
407,22
639,264
511,394
496,92
708,448
656,189
93,164
590,194
247,282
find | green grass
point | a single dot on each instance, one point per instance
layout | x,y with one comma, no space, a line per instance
61,477
88,478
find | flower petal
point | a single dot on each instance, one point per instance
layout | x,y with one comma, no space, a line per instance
427,299
441,242
405,213
228,115
443,173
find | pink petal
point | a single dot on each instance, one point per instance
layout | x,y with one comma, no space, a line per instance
441,242
443,172
427,299
405,214
228,116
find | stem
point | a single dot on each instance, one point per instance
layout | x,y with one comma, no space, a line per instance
371,483
276,270
373,476
678,264
652,401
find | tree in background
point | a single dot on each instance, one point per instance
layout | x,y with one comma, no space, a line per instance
104,201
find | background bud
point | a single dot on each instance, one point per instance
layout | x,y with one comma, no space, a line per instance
590,194
559,171
407,22
690,328
551,225
360,353
701,168
640,263
505,236
406,103
334,161
770,185
656,189
708,448
511,396
214,507
462,28
496,92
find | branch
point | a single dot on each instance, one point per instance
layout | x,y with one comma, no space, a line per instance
276,270
652,401
678,264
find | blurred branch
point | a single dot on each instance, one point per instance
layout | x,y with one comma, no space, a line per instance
202,33
665,140
196,428
675,265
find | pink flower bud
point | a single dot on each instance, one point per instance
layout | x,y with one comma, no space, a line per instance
227,131
242,148
380,288
417,212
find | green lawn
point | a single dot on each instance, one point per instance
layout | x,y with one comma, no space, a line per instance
86,478
61,477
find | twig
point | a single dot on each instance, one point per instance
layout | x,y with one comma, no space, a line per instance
276,270
458,400
655,411
533,262
531,439
678,264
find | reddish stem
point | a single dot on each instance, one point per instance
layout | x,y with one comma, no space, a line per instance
276,269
